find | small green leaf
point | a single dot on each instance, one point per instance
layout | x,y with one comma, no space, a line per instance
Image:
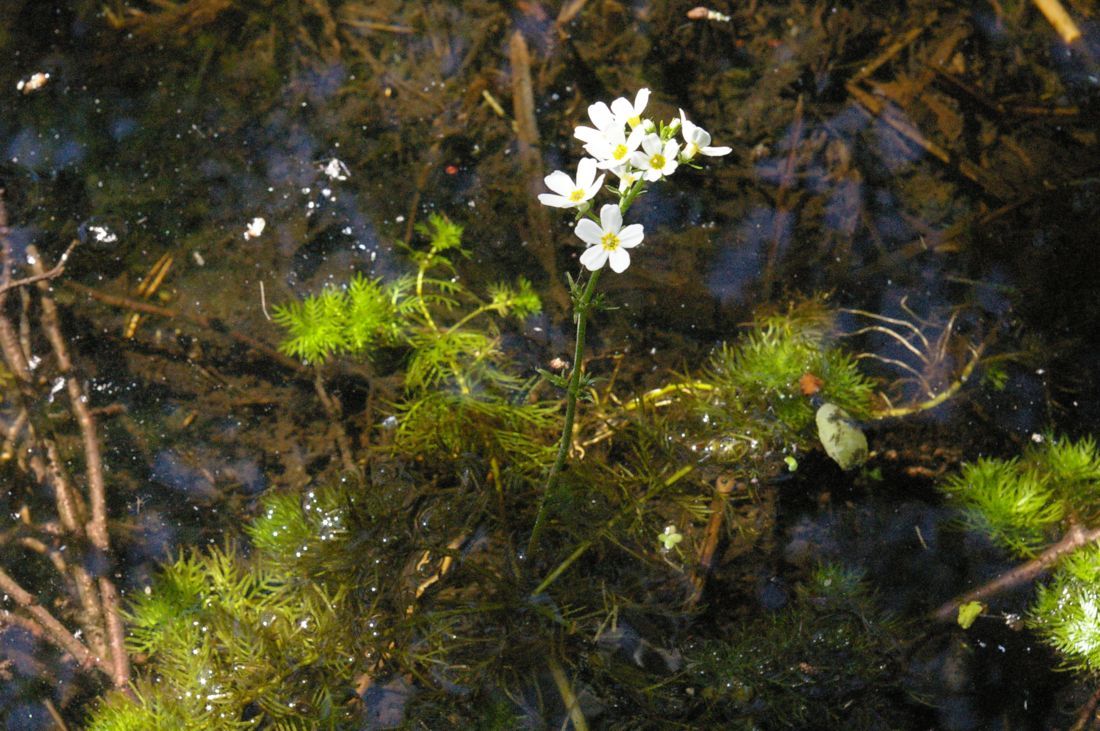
554,378
792,463
969,612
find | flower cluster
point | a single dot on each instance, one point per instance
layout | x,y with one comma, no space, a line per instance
637,151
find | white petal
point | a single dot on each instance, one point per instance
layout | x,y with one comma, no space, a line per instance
587,134
622,109
620,260
611,218
635,138
592,190
588,231
651,144
557,201
559,182
594,257
716,151
631,236
671,148
586,172
601,115
641,100
640,160
699,136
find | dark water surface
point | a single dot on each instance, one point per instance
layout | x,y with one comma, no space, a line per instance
932,164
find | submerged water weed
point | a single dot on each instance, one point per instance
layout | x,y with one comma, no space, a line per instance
829,660
614,149
460,393
1043,506
1023,503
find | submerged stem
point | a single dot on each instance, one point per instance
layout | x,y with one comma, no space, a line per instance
571,394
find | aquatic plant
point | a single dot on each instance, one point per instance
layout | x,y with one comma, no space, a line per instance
1043,505
829,660
460,393
1025,503
607,242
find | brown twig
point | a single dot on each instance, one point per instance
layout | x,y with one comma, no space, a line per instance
334,411
1086,717
1059,19
49,624
1075,538
93,470
58,269
530,159
723,486
208,323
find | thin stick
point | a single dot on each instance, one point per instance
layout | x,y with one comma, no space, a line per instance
208,323
93,470
584,545
1057,16
263,301
1075,538
51,274
723,486
56,631
568,697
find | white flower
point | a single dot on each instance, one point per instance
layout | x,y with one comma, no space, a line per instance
608,240
697,141
631,113
656,159
613,150
572,193
605,122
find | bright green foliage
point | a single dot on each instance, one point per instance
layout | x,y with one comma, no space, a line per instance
1021,503
969,613
827,661
1066,611
225,634
1010,501
756,395
350,320
278,637
1074,473
451,424
1028,503
460,393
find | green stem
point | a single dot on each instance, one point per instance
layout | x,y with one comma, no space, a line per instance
583,306
584,545
571,394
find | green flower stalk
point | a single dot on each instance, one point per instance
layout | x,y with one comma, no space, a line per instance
637,151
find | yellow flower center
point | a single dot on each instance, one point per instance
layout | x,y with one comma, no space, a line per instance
634,121
609,241
619,152
577,195
657,162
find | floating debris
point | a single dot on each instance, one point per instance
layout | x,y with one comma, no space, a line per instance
34,82
255,228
